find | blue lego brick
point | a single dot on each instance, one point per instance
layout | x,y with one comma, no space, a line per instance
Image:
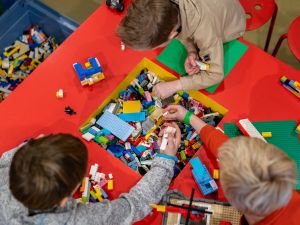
116,150
106,132
141,148
79,70
115,125
94,132
135,150
132,164
103,193
130,117
202,177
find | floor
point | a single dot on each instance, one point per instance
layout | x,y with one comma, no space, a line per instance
79,10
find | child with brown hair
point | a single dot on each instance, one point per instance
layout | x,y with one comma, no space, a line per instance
39,178
202,25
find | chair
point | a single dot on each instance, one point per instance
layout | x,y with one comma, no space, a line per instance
258,13
293,37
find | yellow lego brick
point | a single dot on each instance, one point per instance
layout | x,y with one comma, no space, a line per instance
8,54
82,186
266,134
110,185
186,143
88,65
177,100
2,73
11,69
132,106
216,174
196,145
182,155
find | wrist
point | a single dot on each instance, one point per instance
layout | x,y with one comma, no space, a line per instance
187,117
166,156
177,85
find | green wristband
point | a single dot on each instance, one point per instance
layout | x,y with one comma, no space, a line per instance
187,117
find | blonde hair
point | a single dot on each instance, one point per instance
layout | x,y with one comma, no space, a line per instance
257,177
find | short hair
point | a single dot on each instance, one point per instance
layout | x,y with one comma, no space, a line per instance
46,170
148,23
256,177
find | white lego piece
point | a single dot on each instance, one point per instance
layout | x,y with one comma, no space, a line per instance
127,146
193,136
111,107
110,176
248,129
88,136
5,63
138,125
123,46
93,171
60,93
36,53
31,54
210,114
170,130
202,66
97,177
102,176
164,142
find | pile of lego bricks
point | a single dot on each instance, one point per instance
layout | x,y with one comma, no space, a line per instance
94,188
128,127
22,57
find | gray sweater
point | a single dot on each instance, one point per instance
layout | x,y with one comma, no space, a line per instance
130,207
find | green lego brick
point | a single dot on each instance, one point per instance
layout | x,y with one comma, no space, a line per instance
283,136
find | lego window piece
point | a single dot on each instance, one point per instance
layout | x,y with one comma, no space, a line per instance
115,125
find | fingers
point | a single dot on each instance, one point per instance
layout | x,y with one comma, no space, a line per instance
171,142
177,134
192,61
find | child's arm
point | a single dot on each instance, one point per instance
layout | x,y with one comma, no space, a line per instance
213,55
133,206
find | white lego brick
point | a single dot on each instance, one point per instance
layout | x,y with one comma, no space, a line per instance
127,146
93,171
88,136
110,176
248,129
97,177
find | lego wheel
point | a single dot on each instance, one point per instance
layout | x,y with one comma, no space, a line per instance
108,3
120,7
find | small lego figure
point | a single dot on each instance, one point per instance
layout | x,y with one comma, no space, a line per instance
69,110
116,4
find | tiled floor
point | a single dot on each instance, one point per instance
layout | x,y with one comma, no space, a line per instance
79,10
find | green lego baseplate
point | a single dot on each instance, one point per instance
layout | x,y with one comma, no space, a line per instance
283,136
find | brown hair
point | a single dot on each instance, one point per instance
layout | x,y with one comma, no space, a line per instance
256,177
148,23
46,170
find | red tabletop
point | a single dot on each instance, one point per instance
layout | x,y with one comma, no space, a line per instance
252,90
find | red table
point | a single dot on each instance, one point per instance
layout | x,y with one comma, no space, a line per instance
251,90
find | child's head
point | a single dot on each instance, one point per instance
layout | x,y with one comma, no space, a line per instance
149,24
47,170
257,177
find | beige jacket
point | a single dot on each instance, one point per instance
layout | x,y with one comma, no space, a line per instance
206,25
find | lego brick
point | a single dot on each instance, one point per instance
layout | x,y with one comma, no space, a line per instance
283,136
103,193
202,177
248,129
131,117
132,106
87,136
216,174
102,182
110,185
266,134
115,125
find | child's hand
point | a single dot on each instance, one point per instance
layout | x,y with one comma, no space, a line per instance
166,89
173,140
190,64
175,112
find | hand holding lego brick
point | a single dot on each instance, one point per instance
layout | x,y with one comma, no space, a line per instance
166,89
190,64
170,140
175,112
